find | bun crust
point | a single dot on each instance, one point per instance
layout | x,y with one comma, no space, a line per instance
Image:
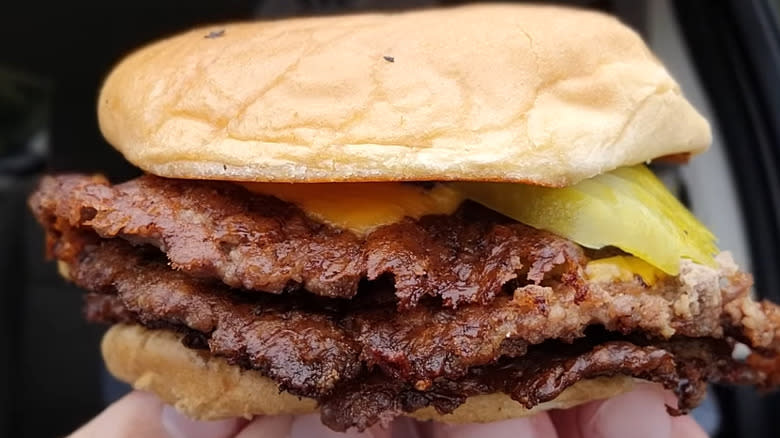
208,388
518,93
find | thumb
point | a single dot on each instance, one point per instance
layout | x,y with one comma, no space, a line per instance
128,416
143,414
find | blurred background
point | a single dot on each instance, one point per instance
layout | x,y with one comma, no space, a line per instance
53,57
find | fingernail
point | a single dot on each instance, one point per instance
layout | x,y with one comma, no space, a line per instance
307,426
639,414
179,426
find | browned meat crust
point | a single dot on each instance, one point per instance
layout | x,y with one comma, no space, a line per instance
327,349
218,230
417,346
682,365
523,304
212,229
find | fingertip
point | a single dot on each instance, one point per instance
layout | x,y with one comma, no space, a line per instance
311,425
276,426
640,413
408,428
177,425
686,427
537,426
142,397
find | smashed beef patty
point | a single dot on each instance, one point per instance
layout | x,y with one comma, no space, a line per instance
254,242
380,334
311,343
364,361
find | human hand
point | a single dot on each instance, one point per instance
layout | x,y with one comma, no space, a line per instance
640,413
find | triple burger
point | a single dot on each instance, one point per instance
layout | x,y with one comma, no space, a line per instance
442,213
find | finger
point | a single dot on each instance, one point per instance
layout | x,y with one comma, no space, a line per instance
277,426
405,427
310,425
537,426
686,427
179,426
136,414
640,413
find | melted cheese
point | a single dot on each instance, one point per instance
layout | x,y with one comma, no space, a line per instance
622,268
362,207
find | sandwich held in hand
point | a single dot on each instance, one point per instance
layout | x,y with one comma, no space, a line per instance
443,214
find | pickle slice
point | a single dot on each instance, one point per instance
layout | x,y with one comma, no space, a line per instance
628,208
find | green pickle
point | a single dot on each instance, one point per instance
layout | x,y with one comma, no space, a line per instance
629,208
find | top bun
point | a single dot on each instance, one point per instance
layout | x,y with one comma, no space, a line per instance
519,93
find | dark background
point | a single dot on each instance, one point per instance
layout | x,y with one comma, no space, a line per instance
53,58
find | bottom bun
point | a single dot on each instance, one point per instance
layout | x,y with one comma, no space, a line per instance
206,387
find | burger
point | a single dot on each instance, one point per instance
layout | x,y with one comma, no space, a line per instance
443,213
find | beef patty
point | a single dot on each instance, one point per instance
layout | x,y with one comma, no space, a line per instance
417,313
255,242
364,361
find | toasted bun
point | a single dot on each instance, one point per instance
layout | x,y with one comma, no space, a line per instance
208,388
518,93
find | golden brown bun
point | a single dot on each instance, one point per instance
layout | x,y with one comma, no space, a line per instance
520,93
207,387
